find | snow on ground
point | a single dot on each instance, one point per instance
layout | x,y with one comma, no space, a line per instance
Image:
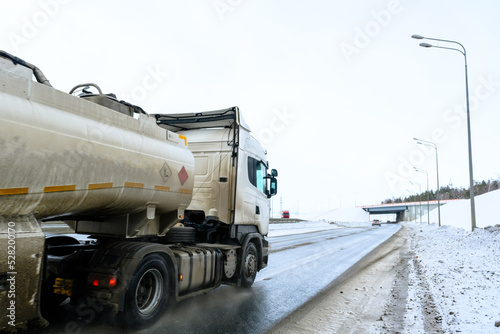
461,271
460,268
457,213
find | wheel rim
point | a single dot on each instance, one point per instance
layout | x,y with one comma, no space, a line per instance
149,291
250,265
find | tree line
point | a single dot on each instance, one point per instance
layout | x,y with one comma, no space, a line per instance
448,192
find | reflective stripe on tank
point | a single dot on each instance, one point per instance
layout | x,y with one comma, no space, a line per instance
134,185
91,186
14,191
53,189
100,185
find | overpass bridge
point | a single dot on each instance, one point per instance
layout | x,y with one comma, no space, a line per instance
407,211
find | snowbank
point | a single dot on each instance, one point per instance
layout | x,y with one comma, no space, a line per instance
347,217
462,270
457,214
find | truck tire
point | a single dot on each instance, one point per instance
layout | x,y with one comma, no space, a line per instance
147,295
249,270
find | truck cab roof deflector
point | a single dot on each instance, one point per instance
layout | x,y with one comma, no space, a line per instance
224,118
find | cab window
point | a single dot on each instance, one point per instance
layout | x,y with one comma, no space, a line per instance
257,171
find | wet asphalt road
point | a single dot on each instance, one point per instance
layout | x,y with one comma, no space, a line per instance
300,267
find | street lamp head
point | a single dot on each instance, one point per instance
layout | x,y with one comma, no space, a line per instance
425,45
417,36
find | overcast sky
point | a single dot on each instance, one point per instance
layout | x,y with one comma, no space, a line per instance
335,90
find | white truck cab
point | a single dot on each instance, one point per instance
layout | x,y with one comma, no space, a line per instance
232,183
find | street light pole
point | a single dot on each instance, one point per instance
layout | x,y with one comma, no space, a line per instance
431,144
471,177
428,209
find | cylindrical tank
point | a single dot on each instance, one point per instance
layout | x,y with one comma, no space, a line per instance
60,154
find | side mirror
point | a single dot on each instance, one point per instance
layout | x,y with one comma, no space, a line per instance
273,187
274,173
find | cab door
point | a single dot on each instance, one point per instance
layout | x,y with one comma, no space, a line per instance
257,173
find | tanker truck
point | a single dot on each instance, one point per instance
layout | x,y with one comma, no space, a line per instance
161,206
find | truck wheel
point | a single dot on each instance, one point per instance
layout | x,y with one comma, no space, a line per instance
147,295
249,271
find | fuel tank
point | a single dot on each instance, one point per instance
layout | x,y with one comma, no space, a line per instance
65,155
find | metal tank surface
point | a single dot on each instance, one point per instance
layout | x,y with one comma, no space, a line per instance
100,170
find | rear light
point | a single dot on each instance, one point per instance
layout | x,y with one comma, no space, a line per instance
112,282
102,280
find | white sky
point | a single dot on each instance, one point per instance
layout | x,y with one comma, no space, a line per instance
336,90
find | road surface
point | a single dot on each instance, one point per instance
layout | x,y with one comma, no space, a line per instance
300,268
